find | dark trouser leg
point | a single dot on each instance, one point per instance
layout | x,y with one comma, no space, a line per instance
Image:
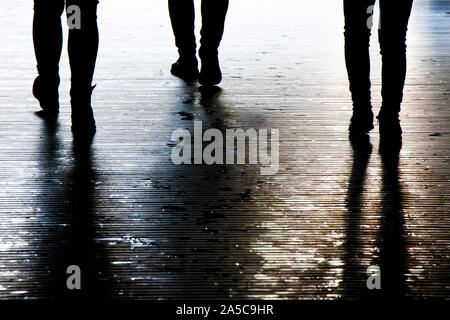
82,47
47,36
182,16
392,37
213,23
357,37
47,40
358,15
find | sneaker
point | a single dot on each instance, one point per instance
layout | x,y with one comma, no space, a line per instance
186,69
47,95
210,74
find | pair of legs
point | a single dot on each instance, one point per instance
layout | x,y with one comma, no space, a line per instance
182,16
394,17
82,48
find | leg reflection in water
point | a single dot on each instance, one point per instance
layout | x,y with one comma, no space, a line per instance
354,276
390,240
80,199
392,243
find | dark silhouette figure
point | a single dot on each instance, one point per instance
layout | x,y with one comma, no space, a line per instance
394,16
82,48
182,15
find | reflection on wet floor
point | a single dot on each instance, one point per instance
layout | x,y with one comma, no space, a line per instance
141,227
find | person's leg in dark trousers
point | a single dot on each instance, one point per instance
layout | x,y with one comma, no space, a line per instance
47,40
357,38
213,22
394,17
82,48
182,16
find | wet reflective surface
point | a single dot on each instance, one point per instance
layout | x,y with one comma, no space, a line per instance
141,227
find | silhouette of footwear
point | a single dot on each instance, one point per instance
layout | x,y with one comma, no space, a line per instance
361,144
390,145
47,95
389,125
83,125
361,122
186,69
210,74
83,122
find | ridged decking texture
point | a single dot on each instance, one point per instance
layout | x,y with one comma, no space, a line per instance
142,227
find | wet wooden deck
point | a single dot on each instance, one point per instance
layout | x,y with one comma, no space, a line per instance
141,227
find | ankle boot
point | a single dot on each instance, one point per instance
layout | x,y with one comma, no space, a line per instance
185,68
83,122
45,90
361,121
389,123
210,73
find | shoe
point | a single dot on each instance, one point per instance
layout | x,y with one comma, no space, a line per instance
389,125
361,146
186,69
47,95
210,74
361,121
83,122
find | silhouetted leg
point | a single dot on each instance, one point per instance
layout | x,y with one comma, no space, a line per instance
83,47
47,40
182,16
357,37
392,36
213,22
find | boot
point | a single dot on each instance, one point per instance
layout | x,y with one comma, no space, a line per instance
361,121
213,22
185,68
182,17
45,90
83,122
389,123
210,73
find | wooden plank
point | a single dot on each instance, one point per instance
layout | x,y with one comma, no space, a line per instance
141,227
